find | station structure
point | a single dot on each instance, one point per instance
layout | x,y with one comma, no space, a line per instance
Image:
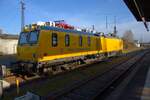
140,9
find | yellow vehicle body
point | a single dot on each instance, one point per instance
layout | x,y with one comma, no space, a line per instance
113,44
43,51
61,51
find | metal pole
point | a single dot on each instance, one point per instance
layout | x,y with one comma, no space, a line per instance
106,23
22,14
93,27
1,83
115,27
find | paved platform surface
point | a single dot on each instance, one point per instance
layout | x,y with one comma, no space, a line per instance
146,89
136,86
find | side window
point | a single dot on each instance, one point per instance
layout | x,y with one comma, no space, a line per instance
89,41
80,40
67,40
54,39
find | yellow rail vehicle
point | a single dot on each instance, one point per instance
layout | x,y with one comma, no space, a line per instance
112,45
52,47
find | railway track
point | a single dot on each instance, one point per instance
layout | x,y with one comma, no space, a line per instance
23,79
95,86
42,80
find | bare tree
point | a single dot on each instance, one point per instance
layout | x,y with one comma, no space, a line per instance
128,36
1,31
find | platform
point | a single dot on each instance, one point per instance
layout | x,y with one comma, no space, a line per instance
136,86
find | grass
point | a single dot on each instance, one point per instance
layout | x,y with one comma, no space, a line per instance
131,50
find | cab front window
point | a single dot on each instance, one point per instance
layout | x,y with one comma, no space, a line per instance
33,37
23,38
28,37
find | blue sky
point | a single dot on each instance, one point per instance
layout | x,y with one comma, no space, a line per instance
81,13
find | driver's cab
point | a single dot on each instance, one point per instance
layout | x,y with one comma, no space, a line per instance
28,45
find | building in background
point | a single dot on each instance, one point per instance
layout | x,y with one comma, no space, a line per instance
8,44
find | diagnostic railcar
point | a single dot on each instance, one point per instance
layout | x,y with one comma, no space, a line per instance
52,47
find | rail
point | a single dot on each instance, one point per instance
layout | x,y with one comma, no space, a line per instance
89,89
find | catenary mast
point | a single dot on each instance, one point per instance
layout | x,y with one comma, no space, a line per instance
22,14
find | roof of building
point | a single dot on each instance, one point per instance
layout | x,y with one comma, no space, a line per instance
139,8
8,36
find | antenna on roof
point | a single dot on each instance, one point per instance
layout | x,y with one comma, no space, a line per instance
22,14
